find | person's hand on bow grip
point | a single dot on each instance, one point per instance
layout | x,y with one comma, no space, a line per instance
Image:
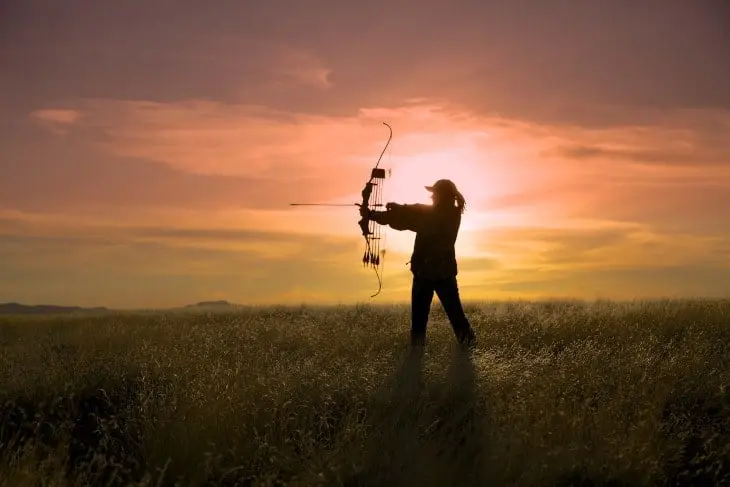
365,212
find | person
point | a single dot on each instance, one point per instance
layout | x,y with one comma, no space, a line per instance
433,262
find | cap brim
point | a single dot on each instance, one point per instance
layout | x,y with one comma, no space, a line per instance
430,188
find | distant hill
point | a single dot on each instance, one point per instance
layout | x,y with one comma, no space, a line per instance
43,309
211,304
48,309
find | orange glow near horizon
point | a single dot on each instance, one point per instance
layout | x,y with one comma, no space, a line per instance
530,204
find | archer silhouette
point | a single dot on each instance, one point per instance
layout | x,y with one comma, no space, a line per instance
433,262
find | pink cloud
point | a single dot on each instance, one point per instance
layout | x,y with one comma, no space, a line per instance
302,66
57,115
509,170
210,137
57,120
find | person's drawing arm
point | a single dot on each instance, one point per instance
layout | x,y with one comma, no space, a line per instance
400,217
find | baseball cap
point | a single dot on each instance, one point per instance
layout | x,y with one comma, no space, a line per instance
442,186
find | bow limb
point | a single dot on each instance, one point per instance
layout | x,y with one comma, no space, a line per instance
390,136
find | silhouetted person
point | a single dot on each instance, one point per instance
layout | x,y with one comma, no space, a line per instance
433,262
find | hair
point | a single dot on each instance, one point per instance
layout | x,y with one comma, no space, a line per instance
460,201
455,199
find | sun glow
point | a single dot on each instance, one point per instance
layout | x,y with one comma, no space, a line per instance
464,164
412,173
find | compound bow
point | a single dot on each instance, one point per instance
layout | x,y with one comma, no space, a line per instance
372,197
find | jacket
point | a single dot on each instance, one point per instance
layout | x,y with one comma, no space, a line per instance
436,230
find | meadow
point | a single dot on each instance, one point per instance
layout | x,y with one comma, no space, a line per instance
556,393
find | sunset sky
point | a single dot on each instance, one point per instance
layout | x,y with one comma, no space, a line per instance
149,149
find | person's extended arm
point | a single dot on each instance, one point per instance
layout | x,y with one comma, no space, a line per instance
401,217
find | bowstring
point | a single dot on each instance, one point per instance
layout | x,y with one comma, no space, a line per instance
379,200
385,231
381,234
377,195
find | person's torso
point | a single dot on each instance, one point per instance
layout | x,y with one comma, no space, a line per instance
433,251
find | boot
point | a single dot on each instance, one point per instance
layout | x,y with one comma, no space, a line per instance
418,339
468,340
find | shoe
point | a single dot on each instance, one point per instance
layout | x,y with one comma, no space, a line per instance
468,341
418,340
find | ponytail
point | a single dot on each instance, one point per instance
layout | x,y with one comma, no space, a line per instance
460,201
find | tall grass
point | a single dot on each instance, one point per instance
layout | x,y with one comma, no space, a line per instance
557,393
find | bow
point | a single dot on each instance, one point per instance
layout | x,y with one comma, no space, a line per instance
372,197
373,256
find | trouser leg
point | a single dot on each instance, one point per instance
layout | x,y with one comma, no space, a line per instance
421,298
448,293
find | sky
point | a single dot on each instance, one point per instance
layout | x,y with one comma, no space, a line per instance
149,150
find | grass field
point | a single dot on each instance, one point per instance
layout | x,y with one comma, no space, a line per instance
557,393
